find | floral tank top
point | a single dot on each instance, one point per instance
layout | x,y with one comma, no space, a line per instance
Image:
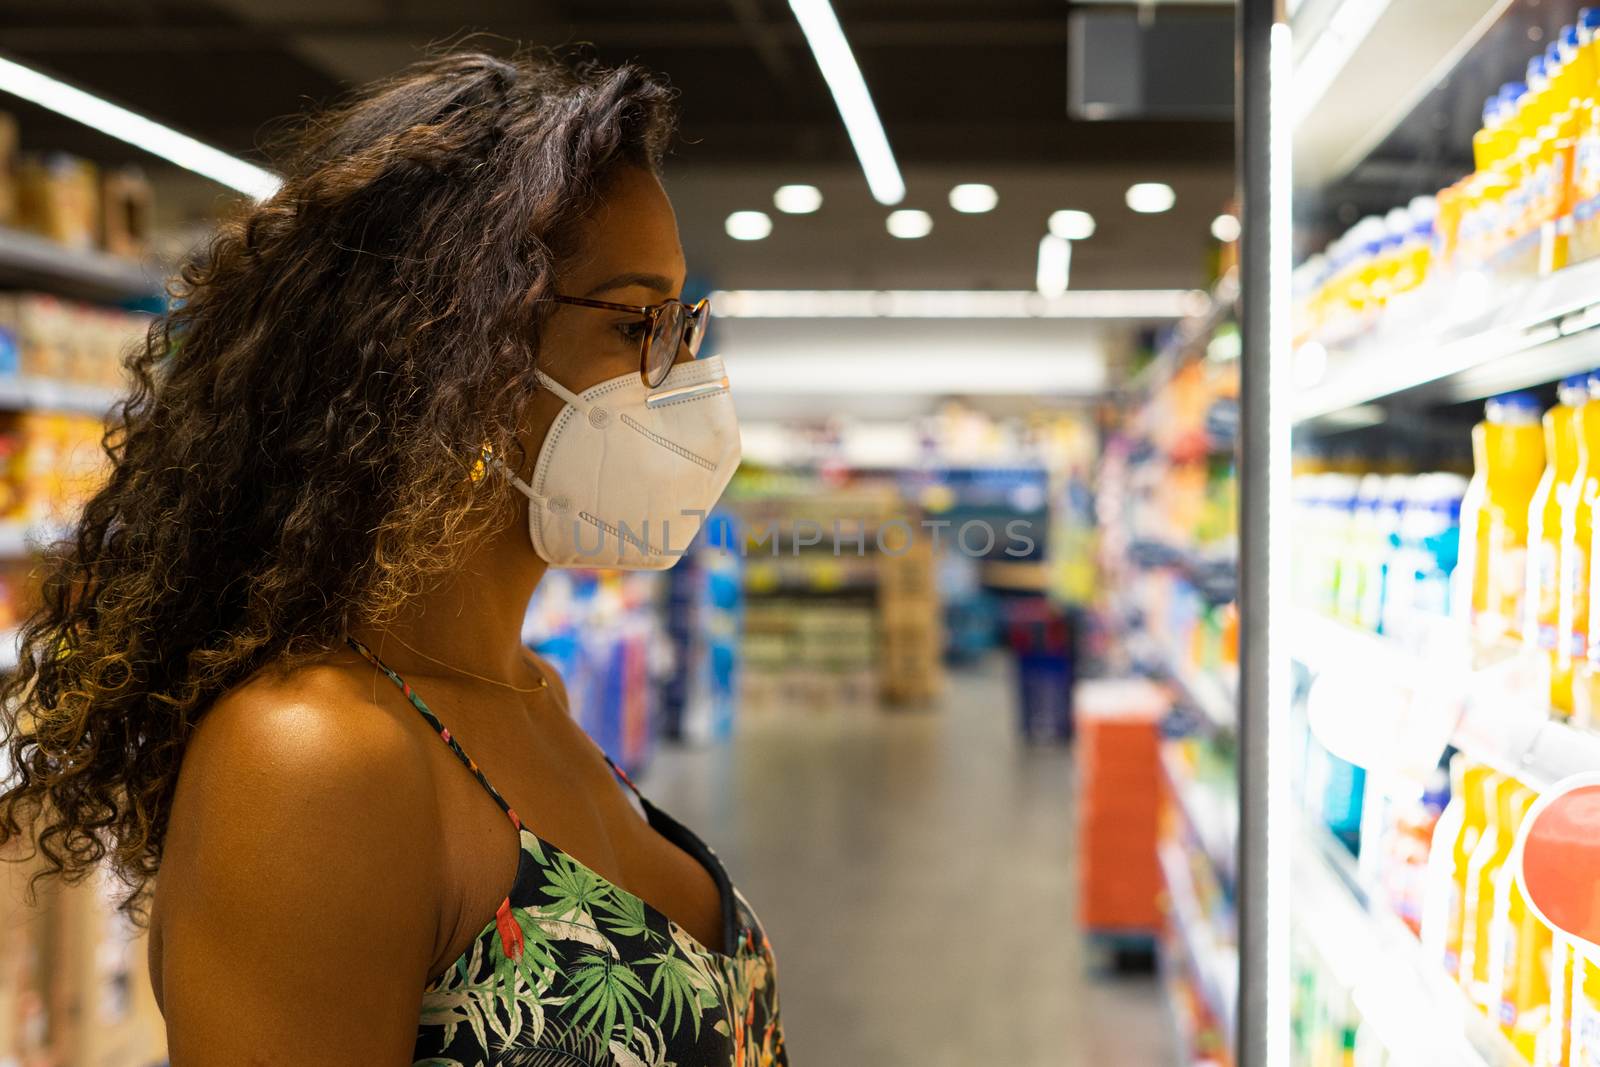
575,971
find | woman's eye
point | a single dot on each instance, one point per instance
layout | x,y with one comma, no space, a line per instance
633,331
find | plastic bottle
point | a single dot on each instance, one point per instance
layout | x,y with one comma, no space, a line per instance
1477,902
1550,533
1585,191
1555,1043
1454,838
1585,1009
1513,464
1520,948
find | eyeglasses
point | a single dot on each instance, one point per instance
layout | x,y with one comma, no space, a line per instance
668,326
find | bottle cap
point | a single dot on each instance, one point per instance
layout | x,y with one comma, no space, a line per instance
1567,43
1588,22
1512,407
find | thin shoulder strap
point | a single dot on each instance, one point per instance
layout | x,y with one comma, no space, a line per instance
455,746
439,727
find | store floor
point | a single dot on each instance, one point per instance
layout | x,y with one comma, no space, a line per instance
914,870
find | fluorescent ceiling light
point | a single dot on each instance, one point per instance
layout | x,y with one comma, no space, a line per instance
909,223
1072,225
137,130
955,303
1055,259
1151,198
797,199
839,70
974,198
1225,228
748,225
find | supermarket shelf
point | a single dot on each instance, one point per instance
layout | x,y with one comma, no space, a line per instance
39,262
1188,332
1207,692
1214,962
1208,820
1414,1009
1524,741
1495,338
42,394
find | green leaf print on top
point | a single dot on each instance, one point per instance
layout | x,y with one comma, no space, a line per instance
575,971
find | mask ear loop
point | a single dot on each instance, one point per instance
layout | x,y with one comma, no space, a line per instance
596,416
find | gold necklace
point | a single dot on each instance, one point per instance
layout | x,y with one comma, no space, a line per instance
491,681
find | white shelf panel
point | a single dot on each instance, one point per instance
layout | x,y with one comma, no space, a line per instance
1422,1017
1362,66
1469,338
1497,722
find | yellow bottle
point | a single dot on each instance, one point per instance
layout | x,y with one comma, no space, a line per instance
1585,191
1555,1044
1513,464
1544,623
1520,949
1477,902
1585,1010
1459,830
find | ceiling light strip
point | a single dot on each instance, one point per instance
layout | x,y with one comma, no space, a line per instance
135,129
955,303
823,33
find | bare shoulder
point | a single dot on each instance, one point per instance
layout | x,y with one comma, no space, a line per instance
314,742
304,829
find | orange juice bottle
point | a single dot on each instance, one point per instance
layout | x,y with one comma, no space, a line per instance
1477,903
1585,1048
1555,1044
1545,625
1455,837
1513,465
1520,949
1585,182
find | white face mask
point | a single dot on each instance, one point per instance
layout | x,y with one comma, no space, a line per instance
627,473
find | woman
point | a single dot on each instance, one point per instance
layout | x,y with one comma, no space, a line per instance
280,662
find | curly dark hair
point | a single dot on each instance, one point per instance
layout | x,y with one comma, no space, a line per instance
295,453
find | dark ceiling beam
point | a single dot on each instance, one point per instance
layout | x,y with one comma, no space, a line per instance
986,33
769,44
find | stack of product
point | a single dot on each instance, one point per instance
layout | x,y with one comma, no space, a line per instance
1117,771
70,201
909,616
600,632
841,601
43,336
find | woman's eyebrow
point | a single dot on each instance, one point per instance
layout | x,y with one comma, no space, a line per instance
659,283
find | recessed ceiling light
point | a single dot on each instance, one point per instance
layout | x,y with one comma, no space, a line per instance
748,225
797,199
1151,198
974,198
1071,225
1225,228
1055,258
909,223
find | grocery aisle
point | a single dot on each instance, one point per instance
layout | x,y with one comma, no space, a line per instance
909,865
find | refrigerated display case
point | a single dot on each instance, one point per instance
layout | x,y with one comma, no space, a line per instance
1420,294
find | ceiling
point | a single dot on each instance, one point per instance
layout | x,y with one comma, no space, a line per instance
967,91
